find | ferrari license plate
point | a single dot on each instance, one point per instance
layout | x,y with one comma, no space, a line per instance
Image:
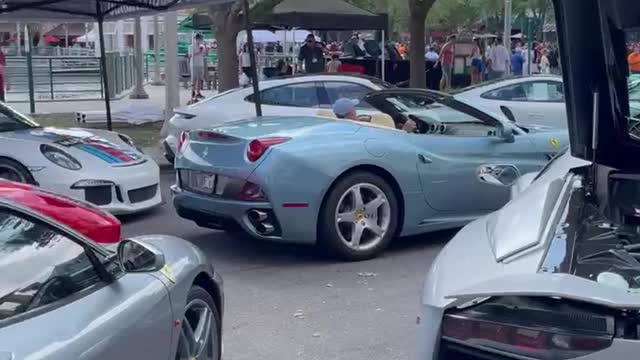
202,182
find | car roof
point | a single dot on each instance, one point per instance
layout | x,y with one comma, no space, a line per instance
86,219
492,84
300,78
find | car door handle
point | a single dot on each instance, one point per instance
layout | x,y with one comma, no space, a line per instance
536,114
425,160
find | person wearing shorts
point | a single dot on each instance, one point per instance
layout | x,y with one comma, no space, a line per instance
197,53
476,65
447,55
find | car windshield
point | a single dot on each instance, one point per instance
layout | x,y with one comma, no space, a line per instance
11,120
428,110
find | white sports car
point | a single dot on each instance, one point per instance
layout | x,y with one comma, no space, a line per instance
101,167
303,95
528,100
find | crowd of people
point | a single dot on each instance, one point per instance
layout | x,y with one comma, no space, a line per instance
495,61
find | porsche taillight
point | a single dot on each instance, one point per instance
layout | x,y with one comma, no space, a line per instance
258,147
529,332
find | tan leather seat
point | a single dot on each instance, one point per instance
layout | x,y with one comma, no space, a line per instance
383,120
326,114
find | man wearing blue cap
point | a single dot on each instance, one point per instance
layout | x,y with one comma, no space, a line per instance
345,108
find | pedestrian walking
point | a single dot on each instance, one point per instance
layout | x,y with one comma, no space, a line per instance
245,60
517,62
447,57
4,84
476,64
197,53
434,74
545,66
312,56
498,60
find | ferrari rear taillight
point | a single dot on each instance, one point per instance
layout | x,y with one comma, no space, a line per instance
258,147
529,332
182,139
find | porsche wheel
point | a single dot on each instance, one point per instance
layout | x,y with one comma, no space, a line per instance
199,337
359,217
14,171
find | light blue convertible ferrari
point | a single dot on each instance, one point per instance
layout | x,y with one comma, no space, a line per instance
353,186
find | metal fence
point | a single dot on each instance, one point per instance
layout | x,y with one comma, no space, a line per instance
58,78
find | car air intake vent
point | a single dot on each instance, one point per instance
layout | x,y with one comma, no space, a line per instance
98,195
143,194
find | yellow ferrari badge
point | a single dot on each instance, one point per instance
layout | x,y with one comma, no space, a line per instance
555,143
168,273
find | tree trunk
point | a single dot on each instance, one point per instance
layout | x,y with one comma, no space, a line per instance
227,60
226,23
418,10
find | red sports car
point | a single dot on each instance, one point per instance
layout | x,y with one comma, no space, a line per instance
87,219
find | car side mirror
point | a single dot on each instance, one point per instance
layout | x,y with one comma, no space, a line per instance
498,175
136,257
505,132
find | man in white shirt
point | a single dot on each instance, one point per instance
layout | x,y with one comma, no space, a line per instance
197,53
498,60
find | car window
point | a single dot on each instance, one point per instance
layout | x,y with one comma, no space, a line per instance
297,95
532,91
338,89
10,120
430,110
39,265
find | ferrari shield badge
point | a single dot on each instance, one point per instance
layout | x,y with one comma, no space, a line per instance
555,143
168,273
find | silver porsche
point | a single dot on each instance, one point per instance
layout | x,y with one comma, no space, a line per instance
63,297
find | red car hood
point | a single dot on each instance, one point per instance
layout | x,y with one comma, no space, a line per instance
89,220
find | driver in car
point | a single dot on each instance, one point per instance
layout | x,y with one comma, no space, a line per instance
345,108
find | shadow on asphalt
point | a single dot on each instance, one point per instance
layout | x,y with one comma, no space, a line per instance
243,249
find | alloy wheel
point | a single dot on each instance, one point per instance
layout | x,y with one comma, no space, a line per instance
196,337
362,217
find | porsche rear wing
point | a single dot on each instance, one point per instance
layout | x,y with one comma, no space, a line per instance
550,285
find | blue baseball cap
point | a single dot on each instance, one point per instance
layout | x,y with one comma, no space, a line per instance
343,106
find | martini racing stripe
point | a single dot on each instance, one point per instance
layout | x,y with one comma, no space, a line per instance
100,154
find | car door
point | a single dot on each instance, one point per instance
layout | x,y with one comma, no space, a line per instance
62,298
454,140
334,90
298,99
536,102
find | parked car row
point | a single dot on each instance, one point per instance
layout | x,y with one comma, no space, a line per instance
551,265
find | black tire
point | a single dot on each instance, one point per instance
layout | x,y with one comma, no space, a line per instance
18,169
198,293
328,237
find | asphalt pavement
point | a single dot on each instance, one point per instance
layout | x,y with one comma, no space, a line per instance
289,302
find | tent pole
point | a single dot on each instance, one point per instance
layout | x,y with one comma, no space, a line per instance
252,56
384,42
103,66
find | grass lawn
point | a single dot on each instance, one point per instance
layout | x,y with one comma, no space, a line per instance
145,135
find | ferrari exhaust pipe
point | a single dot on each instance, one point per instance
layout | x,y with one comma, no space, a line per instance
265,228
257,216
